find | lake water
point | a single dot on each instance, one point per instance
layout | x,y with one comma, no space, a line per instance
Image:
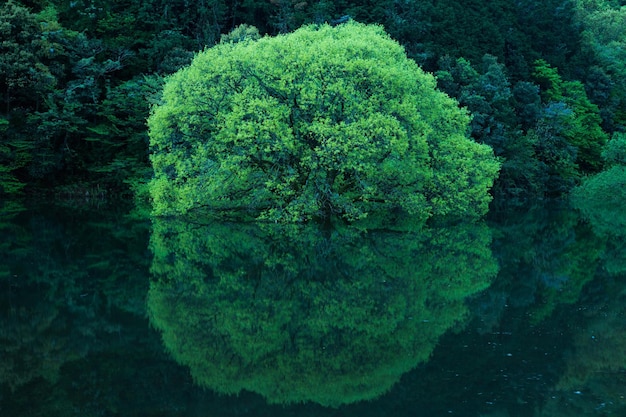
105,314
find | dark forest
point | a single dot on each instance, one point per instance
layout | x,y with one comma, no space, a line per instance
544,81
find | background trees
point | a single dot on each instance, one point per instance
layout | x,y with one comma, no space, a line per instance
64,64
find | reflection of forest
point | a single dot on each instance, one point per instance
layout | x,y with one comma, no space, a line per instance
570,303
298,313
594,381
512,355
63,297
601,200
547,256
595,376
546,339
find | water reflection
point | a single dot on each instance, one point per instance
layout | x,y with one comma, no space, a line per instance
602,204
547,256
594,379
69,280
302,313
545,339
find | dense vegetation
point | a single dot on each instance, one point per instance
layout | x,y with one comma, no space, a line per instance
318,123
545,81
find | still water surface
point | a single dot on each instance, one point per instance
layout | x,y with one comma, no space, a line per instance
104,314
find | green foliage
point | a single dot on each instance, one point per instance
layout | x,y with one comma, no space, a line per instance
516,33
601,198
604,44
549,80
536,160
23,74
322,122
581,127
61,60
301,313
24,80
240,34
120,142
50,135
14,154
614,152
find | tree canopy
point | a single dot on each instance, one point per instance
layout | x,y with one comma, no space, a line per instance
325,121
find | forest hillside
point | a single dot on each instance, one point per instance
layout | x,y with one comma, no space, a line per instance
544,81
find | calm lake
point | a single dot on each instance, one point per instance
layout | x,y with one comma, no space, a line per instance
105,314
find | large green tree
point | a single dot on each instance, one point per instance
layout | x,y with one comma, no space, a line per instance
326,121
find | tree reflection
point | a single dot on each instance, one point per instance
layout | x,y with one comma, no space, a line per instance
595,374
300,313
547,256
594,378
60,289
601,201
